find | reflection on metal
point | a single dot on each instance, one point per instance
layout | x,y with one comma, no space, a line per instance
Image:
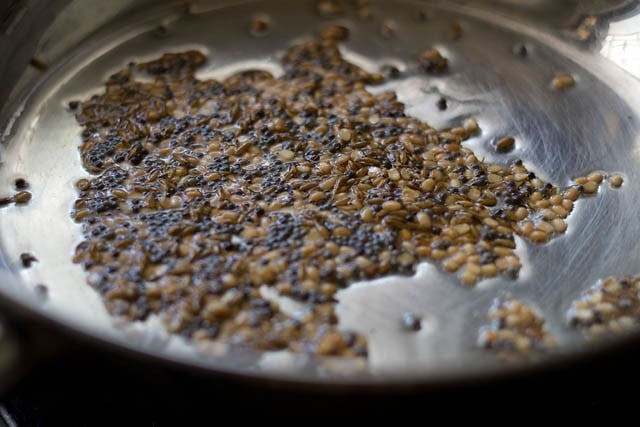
622,44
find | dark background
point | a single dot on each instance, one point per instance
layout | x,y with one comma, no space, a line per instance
84,385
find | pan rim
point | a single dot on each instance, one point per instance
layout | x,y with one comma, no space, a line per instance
431,380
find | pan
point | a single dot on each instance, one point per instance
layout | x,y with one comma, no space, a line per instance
557,80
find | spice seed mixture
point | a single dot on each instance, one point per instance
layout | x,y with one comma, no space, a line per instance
515,330
202,192
612,305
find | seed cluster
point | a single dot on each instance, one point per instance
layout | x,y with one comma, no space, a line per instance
515,330
612,305
21,197
205,191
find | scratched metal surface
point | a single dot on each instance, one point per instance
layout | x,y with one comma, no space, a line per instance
594,126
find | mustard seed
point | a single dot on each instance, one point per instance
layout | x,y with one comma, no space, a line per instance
27,259
411,322
442,104
21,184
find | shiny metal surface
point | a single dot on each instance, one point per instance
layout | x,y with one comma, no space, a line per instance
594,126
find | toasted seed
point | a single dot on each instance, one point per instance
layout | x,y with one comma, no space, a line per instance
559,225
391,205
406,259
471,125
562,81
428,185
118,192
341,232
82,214
432,61
367,215
423,219
455,31
286,155
572,193
467,278
259,25
596,177
546,227
335,32
590,187
329,7
504,145
538,236
616,181
22,197
345,134
328,184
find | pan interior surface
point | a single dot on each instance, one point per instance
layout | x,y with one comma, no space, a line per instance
559,136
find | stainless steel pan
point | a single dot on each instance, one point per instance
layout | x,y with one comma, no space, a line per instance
52,52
